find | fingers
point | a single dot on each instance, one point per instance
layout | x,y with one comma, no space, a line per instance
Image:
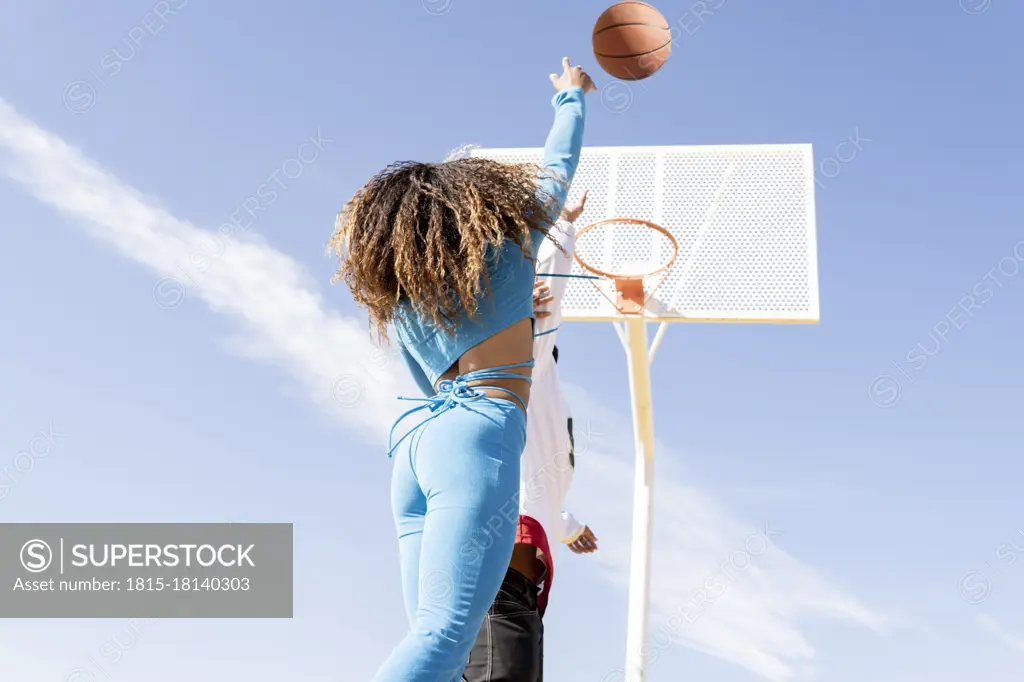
583,199
555,78
574,75
579,548
587,541
541,297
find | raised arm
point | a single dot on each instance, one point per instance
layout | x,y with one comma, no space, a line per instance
565,141
563,146
554,262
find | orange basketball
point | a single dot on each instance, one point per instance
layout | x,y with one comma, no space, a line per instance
631,40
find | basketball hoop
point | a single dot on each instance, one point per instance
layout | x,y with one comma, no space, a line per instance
629,278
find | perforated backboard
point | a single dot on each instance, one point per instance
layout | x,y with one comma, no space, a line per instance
743,216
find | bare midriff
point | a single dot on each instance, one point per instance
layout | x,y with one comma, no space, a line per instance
511,345
526,560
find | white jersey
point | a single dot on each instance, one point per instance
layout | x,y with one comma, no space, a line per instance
545,465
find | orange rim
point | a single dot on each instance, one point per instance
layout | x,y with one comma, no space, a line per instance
628,221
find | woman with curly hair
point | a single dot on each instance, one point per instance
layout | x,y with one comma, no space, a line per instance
445,253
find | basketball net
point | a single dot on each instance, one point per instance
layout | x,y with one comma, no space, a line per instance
634,254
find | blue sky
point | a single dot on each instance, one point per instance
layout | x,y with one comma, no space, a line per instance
891,485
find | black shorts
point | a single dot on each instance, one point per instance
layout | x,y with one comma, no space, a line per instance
510,646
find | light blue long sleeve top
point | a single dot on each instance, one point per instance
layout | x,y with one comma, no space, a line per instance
429,351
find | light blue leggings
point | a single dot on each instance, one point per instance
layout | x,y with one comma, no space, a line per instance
455,497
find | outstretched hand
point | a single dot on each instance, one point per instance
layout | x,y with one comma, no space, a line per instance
572,211
572,77
541,297
586,543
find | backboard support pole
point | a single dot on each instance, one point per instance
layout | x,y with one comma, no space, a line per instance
640,562
657,342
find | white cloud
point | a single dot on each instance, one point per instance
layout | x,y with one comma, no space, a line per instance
283,319
757,599
1010,639
756,622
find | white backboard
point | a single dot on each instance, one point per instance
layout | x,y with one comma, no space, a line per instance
743,216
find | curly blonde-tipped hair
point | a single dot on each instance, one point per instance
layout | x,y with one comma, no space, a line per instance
418,233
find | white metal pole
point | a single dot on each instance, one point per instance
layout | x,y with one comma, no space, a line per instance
640,563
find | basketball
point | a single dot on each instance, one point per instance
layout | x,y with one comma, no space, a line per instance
631,40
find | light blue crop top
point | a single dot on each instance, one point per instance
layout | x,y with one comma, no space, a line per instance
430,352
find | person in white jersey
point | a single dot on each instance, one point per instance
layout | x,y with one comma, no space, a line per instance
509,647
